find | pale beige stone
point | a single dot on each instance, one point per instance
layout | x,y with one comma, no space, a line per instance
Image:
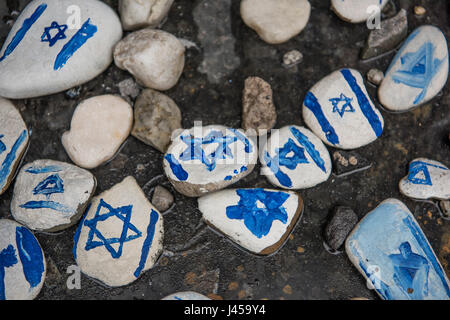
137,14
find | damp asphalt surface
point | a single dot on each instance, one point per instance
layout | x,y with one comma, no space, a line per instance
225,53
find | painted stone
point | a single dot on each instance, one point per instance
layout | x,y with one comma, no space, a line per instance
51,195
426,179
294,158
22,262
393,254
356,11
136,14
120,237
276,21
13,142
210,158
156,117
259,220
339,111
154,57
418,72
186,295
50,50
99,127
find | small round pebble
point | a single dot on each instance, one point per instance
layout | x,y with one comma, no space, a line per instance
292,58
154,57
375,76
137,14
419,10
162,199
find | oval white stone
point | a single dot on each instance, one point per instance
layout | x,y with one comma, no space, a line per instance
294,158
137,14
51,195
357,11
186,295
418,72
57,45
338,109
99,126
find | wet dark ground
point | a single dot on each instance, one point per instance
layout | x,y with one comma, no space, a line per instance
195,258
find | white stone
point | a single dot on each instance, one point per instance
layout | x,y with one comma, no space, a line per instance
357,11
276,21
154,57
221,157
426,179
13,142
82,33
259,220
294,158
186,295
22,262
109,249
338,109
418,72
51,195
137,14
99,127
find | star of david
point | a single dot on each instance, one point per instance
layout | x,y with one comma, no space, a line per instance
121,213
418,167
259,208
52,184
418,69
194,150
346,106
47,35
2,145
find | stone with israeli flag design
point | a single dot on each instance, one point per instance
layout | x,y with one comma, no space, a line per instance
426,179
210,158
338,109
51,195
259,220
418,72
294,158
120,237
14,139
22,262
56,45
356,11
393,254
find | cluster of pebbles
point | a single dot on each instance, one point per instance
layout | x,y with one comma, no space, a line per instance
120,232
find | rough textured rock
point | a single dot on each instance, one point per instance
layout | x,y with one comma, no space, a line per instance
356,11
156,117
206,159
120,237
259,220
13,142
22,262
342,222
258,109
46,52
154,57
375,76
136,14
390,34
345,163
162,199
51,195
99,127
276,21
292,58
418,72
339,110
294,158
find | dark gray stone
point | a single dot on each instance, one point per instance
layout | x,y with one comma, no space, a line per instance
391,33
348,162
340,225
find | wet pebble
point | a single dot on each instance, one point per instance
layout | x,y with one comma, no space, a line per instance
154,57
162,199
136,14
341,223
99,126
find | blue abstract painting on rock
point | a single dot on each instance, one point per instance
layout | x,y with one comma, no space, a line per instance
389,248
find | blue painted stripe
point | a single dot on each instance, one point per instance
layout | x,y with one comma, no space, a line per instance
20,34
31,256
76,236
176,167
86,32
420,237
312,104
8,259
5,169
309,147
46,205
154,216
47,169
364,103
